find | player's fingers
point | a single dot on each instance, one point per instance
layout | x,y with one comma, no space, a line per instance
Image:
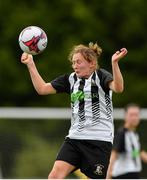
24,56
122,54
124,50
30,56
117,52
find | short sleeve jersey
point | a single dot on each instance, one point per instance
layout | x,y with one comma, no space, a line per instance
91,104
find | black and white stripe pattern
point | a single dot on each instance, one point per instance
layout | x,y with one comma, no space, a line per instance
95,100
73,79
91,108
81,112
108,107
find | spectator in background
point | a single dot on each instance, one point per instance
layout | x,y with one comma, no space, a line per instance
126,156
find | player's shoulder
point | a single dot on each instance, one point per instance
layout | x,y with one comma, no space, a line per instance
71,76
102,71
65,76
105,77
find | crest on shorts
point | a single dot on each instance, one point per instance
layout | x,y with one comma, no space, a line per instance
99,169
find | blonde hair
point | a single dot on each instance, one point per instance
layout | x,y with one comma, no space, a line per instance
90,53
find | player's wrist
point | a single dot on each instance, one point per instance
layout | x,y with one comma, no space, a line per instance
30,64
114,62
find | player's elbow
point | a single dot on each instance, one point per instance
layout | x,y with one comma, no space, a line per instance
116,87
46,89
41,90
119,89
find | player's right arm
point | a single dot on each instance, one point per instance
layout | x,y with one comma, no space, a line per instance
39,84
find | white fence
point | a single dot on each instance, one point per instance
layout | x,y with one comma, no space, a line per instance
51,113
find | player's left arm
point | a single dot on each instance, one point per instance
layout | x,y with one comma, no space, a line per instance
143,155
117,85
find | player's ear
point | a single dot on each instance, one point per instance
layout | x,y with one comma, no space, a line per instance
92,64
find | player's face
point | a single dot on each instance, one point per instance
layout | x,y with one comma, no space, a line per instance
133,116
82,67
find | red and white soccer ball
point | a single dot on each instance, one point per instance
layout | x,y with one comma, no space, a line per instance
33,40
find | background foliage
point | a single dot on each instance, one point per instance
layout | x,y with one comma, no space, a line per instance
112,23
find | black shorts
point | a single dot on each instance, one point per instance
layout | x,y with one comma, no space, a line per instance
90,156
133,175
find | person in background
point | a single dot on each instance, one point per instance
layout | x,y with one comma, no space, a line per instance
126,155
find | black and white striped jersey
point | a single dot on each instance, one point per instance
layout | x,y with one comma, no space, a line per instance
127,144
91,105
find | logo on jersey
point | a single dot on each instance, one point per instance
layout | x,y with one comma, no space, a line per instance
77,96
80,95
99,169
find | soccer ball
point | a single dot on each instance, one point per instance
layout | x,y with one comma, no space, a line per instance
33,40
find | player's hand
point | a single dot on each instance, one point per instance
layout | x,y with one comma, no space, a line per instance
119,54
26,58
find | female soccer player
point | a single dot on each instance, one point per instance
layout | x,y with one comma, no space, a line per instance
88,145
